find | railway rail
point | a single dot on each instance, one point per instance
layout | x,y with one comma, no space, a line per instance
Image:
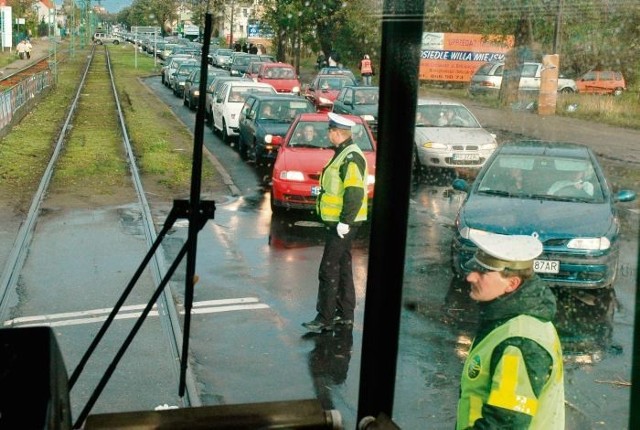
97,79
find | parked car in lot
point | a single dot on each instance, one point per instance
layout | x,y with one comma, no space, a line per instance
227,103
487,79
449,137
302,155
262,117
281,76
601,82
325,88
554,190
361,101
191,92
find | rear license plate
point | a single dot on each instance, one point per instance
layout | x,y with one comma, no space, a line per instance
315,190
546,266
466,157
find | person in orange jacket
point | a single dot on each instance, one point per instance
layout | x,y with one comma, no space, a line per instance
366,70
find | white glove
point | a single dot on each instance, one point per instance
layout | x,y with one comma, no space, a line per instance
342,229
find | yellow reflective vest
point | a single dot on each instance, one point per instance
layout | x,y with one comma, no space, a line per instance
509,386
330,201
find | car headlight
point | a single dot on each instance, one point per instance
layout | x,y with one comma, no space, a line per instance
196,93
486,146
295,89
589,243
371,180
268,138
434,145
325,101
367,117
292,175
464,232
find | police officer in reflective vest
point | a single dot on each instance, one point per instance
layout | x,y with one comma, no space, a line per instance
366,70
513,376
342,205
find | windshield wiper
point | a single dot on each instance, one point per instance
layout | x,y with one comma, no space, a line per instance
498,193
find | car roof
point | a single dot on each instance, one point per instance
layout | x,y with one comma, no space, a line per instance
547,148
324,117
268,64
277,96
433,101
249,83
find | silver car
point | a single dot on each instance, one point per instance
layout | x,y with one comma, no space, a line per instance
448,136
221,57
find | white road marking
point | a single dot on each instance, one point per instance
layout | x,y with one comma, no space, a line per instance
127,312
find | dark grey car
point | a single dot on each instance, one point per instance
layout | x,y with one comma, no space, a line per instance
361,101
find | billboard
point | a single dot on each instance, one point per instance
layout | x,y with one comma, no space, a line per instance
454,57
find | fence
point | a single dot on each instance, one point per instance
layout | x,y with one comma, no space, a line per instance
17,101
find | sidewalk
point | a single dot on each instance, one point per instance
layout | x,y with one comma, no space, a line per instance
41,49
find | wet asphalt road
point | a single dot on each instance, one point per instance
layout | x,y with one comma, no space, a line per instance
258,282
437,322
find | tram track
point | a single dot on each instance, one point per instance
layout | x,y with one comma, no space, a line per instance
97,80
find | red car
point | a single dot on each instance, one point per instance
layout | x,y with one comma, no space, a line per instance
303,153
281,76
325,89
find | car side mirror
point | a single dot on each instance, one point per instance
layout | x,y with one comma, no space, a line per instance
277,140
218,99
460,185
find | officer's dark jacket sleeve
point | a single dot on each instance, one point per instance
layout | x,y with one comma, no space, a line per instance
353,196
538,362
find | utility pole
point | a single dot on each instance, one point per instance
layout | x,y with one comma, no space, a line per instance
558,28
233,2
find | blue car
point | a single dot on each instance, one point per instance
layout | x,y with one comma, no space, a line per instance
555,190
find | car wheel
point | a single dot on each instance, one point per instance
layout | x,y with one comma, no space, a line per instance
275,208
617,92
225,136
242,149
416,166
566,91
116,42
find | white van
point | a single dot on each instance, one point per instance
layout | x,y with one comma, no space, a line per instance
227,104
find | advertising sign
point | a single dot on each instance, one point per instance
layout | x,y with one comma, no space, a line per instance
454,57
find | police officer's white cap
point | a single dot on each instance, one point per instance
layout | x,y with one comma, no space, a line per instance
497,252
338,121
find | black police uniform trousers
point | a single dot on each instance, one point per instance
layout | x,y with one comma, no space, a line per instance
336,292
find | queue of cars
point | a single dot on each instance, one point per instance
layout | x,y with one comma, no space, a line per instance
523,187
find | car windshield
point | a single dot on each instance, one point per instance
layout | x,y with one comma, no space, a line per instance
280,73
366,97
332,83
313,134
283,110
550,178
239,94
442,115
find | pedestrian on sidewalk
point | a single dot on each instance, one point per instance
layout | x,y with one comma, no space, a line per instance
28,48
21,48
342,205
